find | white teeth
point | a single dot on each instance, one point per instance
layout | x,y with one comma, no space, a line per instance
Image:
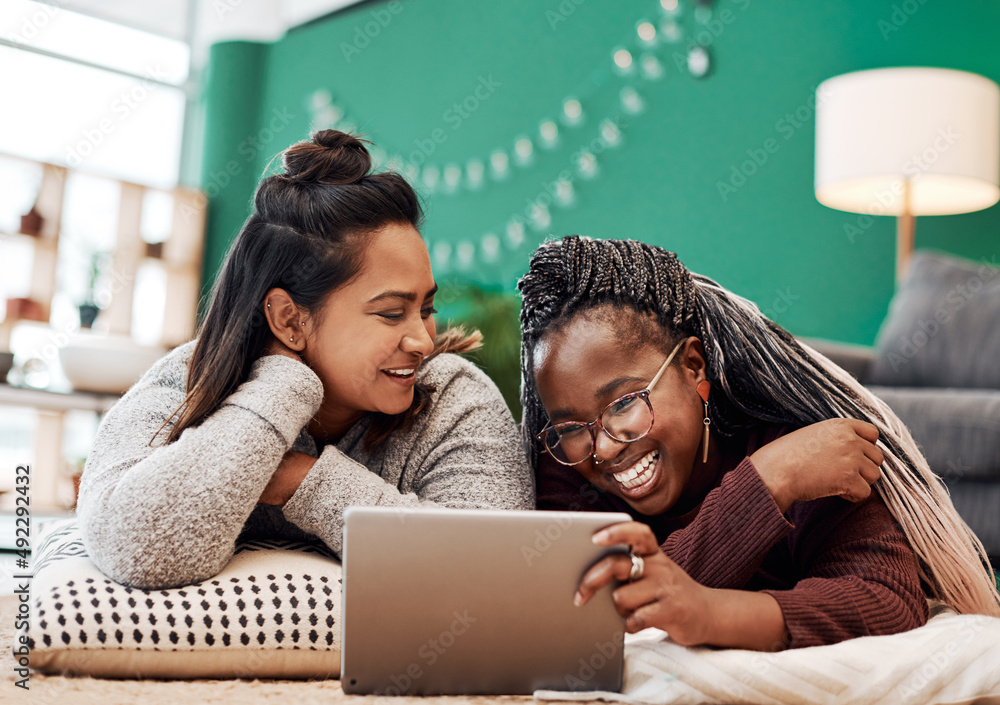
399,373
638,473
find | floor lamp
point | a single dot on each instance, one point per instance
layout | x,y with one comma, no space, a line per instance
906,142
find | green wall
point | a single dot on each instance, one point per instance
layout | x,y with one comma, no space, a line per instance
770,241
229,173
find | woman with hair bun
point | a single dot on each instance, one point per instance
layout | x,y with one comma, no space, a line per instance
778,503
317,381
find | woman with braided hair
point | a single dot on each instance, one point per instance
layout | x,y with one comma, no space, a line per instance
747,459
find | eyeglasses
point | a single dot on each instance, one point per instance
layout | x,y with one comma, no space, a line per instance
625,420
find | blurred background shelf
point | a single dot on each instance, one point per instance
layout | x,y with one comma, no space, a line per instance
51,471
70,239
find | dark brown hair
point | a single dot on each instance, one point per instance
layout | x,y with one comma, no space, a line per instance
307,235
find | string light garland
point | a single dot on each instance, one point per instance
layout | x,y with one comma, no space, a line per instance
637,57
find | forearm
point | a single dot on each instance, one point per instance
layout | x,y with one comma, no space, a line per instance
156,515
334,483
737,525
827,611
462,452
740,619
174,516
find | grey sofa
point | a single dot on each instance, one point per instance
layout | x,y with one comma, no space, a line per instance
936,362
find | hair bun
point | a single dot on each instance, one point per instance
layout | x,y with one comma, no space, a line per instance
331,157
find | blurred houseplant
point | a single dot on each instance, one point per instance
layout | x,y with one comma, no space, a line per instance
88,308
495,314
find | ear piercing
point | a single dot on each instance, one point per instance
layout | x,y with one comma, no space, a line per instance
291,340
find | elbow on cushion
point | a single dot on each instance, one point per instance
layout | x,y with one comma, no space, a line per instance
827,611
908,605
890,609
135,558
891,603
141,569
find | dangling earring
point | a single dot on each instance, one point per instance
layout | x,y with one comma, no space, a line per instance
704,387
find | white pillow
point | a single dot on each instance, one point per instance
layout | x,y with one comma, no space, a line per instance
273,612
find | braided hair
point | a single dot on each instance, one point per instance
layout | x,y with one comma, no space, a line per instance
759,374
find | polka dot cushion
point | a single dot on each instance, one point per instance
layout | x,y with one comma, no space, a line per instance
273,612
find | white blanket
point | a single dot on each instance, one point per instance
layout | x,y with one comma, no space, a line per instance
952,659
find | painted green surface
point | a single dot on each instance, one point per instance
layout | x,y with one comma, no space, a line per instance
771,241
229,172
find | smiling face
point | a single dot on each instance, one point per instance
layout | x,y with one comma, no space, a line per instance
373,333
584,365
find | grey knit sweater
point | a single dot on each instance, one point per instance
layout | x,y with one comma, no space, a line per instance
168,515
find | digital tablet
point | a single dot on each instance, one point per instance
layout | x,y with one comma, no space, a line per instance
475,602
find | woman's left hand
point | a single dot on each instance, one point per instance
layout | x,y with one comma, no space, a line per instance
664,597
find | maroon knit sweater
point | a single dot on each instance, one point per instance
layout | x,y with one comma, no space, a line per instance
838,570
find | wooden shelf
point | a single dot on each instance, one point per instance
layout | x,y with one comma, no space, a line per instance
181,259
46,400
24,238
179,215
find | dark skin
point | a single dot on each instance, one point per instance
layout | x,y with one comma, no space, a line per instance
579,369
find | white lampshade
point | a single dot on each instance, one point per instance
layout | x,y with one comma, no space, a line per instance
937,128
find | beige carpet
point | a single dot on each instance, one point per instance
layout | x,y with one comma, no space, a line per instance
58,690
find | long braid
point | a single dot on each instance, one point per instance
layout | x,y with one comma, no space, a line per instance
759,373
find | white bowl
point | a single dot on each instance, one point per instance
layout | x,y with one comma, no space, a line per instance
106,363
